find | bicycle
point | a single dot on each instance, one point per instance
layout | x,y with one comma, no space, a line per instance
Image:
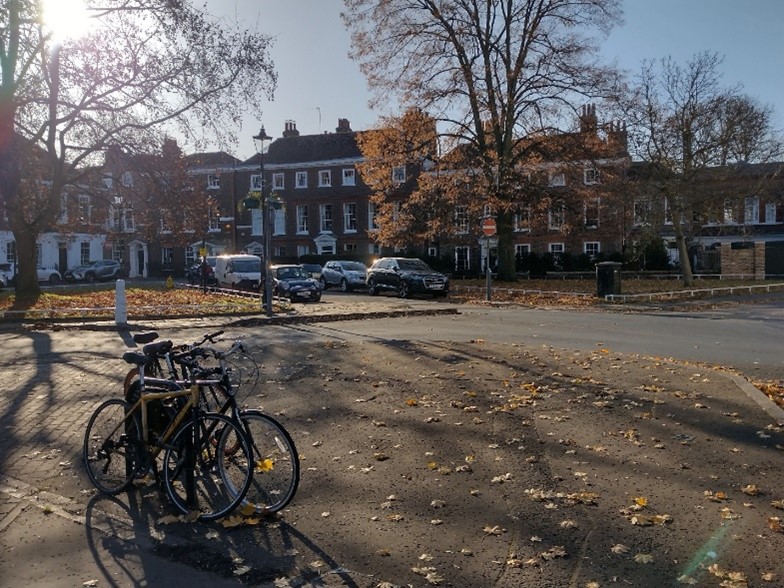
276,469
207,461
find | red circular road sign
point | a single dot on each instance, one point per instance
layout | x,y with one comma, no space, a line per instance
488,226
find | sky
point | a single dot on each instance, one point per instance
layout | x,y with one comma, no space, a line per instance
318,83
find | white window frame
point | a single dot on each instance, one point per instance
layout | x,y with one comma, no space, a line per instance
349,247
325,178
557,180
594,246
167,254
279,221
303,250
126,179
85,208
350,217
462,258
349,176
302,219
642,212
278,181
399,174
255,183
591,203
556,217
591,176
522,249
372,218
556,248
301,179
751,211
729,215
462,223
522,219
128,223
770,213
325,218
213,181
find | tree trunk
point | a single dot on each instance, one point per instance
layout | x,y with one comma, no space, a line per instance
683,251
27,287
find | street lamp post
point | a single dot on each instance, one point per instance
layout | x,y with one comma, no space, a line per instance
259,140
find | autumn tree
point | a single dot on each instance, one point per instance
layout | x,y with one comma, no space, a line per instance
145,68
157,196
693,132
494,74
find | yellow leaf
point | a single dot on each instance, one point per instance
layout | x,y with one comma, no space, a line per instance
751,490
231,522
641,501
248,509
264,465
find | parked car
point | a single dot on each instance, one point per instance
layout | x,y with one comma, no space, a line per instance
294,282
50,276
405,276
346,275
207,265
240,271
315,271
94,271
6,274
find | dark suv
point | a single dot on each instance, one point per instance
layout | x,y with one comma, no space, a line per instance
405,276
93,271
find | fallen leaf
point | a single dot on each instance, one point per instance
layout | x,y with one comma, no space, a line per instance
643,558
619,548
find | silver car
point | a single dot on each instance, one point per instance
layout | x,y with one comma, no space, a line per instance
346,275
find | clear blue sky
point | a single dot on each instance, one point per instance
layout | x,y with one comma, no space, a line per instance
318,83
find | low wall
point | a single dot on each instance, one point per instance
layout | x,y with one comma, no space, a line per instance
748,260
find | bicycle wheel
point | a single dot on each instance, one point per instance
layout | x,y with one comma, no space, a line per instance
111,446
276,463
220,477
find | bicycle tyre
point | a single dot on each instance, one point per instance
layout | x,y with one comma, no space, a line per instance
110,450
276,463
221,478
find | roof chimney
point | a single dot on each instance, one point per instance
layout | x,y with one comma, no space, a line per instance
588,121
290,129
343,126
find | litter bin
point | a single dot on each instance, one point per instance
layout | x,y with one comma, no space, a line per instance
608,278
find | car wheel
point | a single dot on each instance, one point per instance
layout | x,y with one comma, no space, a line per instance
89,278
317,298
54,279
372,288
343,285
403,290
323,283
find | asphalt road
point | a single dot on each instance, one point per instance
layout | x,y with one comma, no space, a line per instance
746,337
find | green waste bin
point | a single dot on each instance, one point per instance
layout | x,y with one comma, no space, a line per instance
608,278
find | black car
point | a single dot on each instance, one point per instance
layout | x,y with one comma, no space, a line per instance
93,271
202,269
405,276
294,282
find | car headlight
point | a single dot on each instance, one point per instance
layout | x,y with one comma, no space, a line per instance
285,286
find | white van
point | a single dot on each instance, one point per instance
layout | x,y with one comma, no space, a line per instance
238,271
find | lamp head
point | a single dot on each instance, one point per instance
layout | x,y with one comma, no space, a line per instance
260,138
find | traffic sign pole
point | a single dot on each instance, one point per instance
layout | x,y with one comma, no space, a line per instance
489,228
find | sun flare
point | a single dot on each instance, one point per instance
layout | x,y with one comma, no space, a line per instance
66,19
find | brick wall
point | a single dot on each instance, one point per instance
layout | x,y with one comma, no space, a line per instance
747,262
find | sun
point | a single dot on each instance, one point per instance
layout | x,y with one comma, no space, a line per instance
66,19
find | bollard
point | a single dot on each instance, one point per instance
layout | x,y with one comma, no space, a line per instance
120,306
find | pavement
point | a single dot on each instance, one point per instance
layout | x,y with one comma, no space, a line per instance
423,463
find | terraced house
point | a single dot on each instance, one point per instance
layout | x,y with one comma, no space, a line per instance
156,214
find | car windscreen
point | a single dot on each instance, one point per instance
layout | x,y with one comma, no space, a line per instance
292,273
413,265
247,265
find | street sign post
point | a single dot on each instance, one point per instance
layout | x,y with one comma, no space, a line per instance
489,229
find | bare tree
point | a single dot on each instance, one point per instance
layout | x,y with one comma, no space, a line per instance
145,68
493,73
690,129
